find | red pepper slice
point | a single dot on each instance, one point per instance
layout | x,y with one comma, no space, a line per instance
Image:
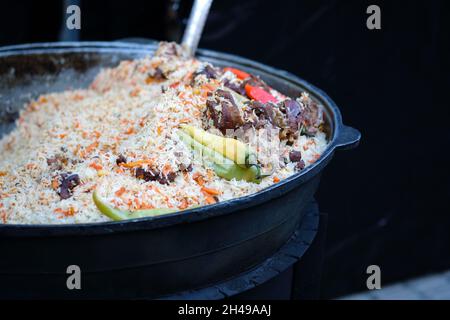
259,94
238,73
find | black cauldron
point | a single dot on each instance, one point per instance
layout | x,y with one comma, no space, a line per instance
149,257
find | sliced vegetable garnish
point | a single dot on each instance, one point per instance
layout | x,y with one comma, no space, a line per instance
222,166
259,94
238,73
119,215
232,149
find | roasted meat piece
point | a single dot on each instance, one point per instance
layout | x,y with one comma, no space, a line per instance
68,182
223,111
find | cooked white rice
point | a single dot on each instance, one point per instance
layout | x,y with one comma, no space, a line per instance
123,112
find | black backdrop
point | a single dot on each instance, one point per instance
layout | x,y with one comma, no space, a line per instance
387,200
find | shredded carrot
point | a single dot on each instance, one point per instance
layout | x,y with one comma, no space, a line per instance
62,135
4,216
210,200
77,148
276,179
315,158
55,183
185,120
175,84
184,204
155,188
167,169
43,100
91,147
188,76
119,170
67,213
135,92
78,97
137,163
156,63
96,166
30,166
151,80
33,106
143,69
96,134
211,191
208,87
130,130
145,206
3,173
159,130
198,178
120,192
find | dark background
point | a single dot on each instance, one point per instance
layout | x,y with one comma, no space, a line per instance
387,200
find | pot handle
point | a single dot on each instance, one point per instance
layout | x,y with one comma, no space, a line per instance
348,138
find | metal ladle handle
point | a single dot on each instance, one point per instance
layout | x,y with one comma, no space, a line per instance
195,25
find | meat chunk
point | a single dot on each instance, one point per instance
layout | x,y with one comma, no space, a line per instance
236,87
58,162
300,165
171,50
259,115
68,182
223,111
295,156
293,112
257,82
205,73
312,116
158,74
303,114
166,179
155,175
184,168
209,71
121,159
147,175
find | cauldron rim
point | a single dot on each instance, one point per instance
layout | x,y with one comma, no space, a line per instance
342,137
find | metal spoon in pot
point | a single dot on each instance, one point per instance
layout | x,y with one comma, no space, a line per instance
195,25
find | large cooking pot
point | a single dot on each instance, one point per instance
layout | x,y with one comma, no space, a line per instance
149,257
